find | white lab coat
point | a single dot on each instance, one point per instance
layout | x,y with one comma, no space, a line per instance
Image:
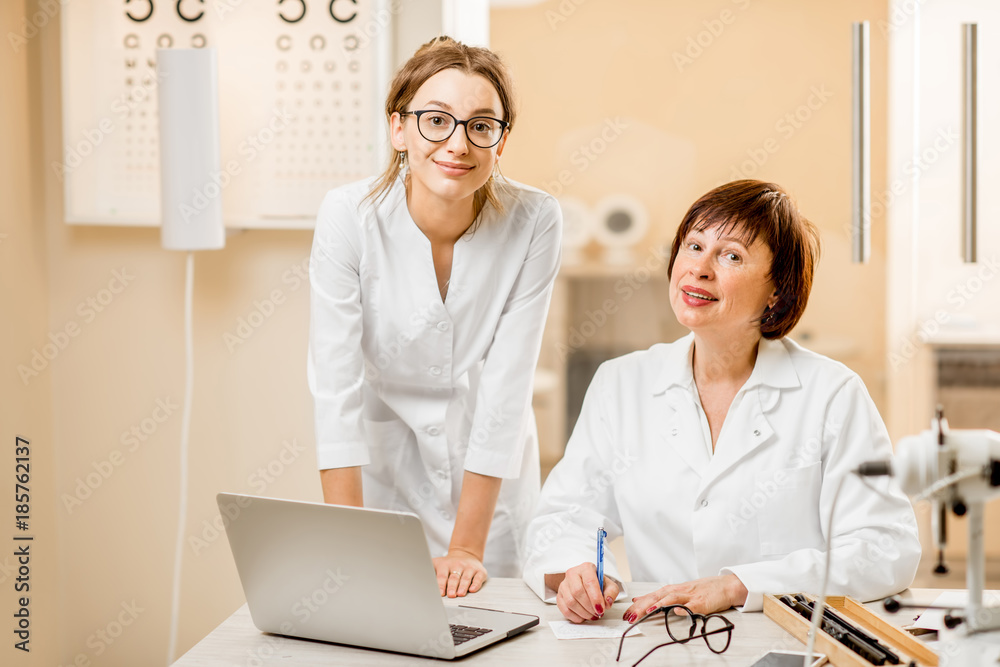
418,391
639,463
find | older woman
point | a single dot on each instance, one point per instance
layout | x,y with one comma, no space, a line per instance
719,455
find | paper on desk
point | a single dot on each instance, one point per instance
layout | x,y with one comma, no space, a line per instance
604,629
933,619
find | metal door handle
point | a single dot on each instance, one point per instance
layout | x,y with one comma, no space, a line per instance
861,188
969,139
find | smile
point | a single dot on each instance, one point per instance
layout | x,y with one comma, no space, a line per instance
700,296
453,168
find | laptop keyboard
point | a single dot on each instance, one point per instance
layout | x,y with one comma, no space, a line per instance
463,633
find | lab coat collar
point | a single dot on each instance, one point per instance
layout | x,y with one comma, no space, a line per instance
773,371
675,366
394,206
773,367
396,211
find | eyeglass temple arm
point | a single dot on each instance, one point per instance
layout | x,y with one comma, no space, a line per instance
632,625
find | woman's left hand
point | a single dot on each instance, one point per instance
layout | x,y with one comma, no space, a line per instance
701,596
458,573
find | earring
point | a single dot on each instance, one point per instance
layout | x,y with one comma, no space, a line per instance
496,170
402,160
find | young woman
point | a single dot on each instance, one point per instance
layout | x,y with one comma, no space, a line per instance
430,287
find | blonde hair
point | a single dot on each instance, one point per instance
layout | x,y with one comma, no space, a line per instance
439,54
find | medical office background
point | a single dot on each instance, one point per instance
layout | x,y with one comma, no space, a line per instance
645,102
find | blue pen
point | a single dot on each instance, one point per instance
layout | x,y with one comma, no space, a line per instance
601,534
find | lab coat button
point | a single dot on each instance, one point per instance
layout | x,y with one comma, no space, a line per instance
704,503
435,370
756,432
442,326
433,430
673,431
446,516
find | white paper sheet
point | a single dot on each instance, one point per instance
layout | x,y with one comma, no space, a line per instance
933,619
603,629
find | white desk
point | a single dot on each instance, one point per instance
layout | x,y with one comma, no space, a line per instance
237,642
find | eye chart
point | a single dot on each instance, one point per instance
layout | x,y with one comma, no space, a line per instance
301,84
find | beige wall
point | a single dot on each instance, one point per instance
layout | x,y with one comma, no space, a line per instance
250,404
25,410
586,69
685,130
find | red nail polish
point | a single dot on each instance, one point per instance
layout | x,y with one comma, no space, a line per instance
631,618
600,609
651,609
594,618
609,601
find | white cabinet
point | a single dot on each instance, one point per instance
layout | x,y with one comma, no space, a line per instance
965,295
934,296
936,299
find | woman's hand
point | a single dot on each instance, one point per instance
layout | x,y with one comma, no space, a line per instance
462,570
459,572
701,596
579,596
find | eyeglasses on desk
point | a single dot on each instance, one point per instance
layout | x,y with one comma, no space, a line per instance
716,629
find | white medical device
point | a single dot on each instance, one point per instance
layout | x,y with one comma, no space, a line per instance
621,222
958,470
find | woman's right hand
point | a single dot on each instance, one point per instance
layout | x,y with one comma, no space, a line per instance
579,596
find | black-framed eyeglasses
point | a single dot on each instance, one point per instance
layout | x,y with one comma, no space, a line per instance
438,126
716,630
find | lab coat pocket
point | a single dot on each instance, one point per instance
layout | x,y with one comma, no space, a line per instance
788,516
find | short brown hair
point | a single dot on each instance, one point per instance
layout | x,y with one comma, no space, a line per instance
437,55
757,210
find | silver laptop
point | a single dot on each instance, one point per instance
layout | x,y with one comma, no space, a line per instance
325,572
